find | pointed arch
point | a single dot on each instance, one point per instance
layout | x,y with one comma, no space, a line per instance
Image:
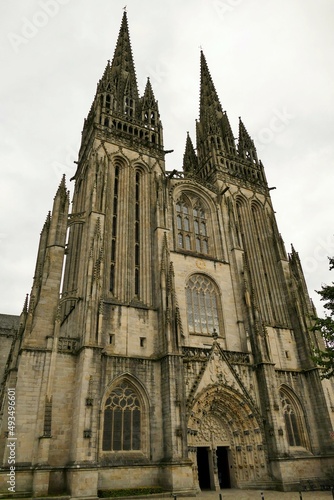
119,174
183,203
120,159
183,210
108,101
221,416
203,305
114,224
125,417
192,224
138,230
240,200
294,419
140,221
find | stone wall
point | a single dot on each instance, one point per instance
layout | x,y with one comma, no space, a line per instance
8,327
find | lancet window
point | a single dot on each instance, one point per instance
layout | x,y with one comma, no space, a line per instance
203,309
108,101
191,226
122,427
294,420
137,235
114,230
128,106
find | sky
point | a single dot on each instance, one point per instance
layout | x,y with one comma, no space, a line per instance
271,63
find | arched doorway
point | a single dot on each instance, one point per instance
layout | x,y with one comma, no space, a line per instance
203,467
212,462
223,467
225,441
211,450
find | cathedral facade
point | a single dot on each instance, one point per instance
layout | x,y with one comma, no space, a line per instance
166,341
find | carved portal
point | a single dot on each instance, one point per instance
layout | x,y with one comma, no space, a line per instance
221,417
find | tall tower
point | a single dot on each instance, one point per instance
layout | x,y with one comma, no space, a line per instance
166,342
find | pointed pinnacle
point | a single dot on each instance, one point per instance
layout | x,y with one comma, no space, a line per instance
62,186
149,94
190,162
149,85
243,133
25,305
47,222
189,144
106,73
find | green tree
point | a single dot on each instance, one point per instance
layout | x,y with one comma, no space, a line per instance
324,358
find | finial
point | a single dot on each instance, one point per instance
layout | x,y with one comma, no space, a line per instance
47,221
215,334
124,8
25,305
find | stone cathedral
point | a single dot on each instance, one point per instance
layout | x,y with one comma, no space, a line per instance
166,341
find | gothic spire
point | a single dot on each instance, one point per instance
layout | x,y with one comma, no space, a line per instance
209,101
117,105
190,162
119,77
122,69
148,98
213,130
246,145
214,119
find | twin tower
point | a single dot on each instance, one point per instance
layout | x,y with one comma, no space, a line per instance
166,341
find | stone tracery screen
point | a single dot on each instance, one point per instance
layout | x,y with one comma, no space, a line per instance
122,420
202,305
191,223
294,421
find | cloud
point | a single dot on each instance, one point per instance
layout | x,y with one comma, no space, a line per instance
265,58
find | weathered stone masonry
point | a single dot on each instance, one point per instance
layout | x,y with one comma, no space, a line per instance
175,351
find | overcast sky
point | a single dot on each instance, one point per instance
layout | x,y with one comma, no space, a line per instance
271,62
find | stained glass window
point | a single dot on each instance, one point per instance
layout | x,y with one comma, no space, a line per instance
293,420
191,223
202,305
122,420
